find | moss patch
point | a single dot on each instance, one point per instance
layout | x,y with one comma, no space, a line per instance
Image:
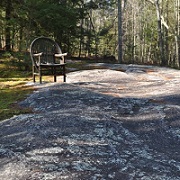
10,93
12,89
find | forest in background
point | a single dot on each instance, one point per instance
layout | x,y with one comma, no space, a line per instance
89,28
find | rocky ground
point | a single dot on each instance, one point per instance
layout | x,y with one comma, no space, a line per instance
119,122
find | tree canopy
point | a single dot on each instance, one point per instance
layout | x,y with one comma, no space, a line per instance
150,29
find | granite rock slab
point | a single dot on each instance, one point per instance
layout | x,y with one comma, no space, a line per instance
119,122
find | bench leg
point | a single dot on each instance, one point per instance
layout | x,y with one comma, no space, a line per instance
33,72
40,75
64,78
64,73
55,79
54,72
34,78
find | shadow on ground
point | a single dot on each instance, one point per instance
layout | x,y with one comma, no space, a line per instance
97,127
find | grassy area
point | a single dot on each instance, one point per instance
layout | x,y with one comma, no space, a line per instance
12,89
12,84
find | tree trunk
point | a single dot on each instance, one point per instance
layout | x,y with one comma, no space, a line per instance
81,39
120,54
160,34
8,29
177,36
134,35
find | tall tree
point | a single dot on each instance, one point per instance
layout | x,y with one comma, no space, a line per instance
177,30
8,25
120,49
160,33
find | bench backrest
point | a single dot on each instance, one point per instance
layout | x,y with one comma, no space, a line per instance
47,47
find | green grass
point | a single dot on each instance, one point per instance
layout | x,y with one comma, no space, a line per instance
12,90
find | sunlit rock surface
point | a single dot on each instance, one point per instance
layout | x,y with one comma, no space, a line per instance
121,122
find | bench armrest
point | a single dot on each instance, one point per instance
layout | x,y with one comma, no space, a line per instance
37,54
60,55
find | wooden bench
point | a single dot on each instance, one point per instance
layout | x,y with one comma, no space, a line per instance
47,59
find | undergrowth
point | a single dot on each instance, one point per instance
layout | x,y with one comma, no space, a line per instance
12,89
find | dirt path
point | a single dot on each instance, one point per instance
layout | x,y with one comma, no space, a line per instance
121,122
